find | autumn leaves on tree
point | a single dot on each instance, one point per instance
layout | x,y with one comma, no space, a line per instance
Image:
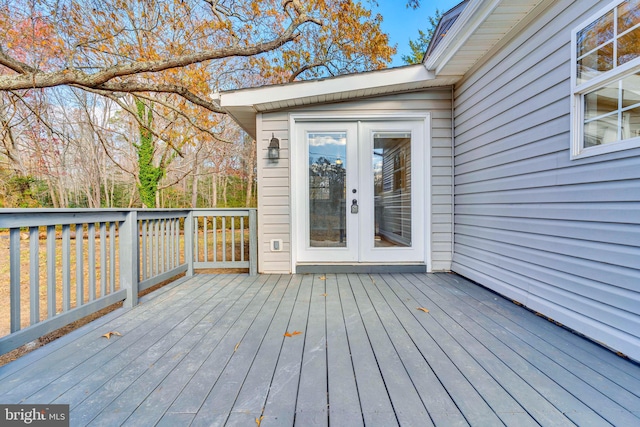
167,56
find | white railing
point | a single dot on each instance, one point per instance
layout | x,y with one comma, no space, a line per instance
65,264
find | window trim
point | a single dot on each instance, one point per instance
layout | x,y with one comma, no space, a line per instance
578,91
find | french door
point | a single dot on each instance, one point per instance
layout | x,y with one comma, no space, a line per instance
359,191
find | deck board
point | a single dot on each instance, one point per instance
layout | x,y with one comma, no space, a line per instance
210,350
117,398
208,334
311,405
579,376
406,402
344,402
254,389
375,403
279,409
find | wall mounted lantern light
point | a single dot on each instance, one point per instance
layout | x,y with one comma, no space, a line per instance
274,148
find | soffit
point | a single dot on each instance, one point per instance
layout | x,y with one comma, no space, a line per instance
481,26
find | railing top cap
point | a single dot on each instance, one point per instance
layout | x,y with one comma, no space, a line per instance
99,210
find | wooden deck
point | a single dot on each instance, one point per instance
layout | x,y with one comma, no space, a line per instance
211,350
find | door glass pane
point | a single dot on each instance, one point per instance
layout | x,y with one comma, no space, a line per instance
327,168
392,189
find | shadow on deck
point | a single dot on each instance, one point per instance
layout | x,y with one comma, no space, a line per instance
211,350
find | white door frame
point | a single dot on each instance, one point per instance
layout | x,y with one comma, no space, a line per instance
300,204
298,175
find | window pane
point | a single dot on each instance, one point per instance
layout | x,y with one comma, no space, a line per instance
327,214
596,33
631,90
631,123
392,189
601,131
602,101
595,63
629,46
628,15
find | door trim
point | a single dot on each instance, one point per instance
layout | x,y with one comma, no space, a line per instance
295,119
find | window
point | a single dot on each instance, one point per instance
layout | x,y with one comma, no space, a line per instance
606,81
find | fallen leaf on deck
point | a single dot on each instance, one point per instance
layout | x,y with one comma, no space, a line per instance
236,347
109,334
423,309
290,334
324,295
323,277
259,420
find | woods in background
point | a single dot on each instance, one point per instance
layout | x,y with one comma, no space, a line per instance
109,103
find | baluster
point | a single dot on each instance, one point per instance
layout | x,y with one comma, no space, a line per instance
79,265
34,275
51,271
91,257
112,257
233,238
205,243
66,267
14,278
103,259
224,238
242,257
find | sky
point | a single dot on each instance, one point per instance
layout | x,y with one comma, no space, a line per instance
402,24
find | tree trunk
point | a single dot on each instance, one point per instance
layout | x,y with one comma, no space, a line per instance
52,193
225,181
10,148
194,187
251,165
214,190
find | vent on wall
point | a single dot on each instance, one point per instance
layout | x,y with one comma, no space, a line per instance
276,245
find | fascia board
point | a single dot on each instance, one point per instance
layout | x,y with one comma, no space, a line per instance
350,82
470,19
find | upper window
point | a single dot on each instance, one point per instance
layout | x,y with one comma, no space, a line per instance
606,81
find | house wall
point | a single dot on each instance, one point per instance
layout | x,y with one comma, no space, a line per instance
560,236
274,212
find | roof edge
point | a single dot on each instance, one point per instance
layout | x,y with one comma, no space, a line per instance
344,83
473,15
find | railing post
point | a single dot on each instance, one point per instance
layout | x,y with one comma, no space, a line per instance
188,242
129,255
253,242
14,278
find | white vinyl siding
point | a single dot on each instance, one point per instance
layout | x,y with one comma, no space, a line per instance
274,213
560,236
274,217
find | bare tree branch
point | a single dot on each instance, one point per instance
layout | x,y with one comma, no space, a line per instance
301,70
137,87
190,120
129,110
29,77
15,65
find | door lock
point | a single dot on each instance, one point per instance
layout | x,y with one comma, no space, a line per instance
354,206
